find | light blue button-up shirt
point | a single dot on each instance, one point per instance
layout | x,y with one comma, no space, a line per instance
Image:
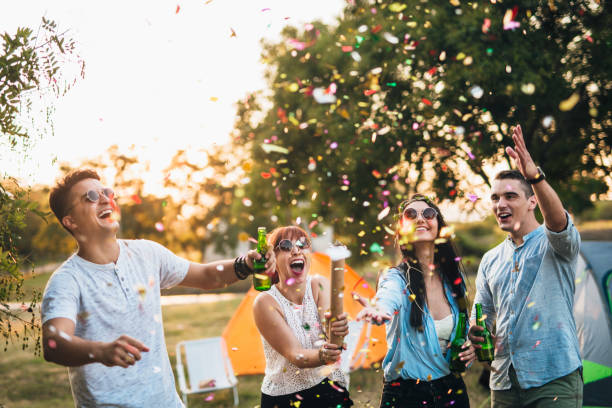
529,291
411,354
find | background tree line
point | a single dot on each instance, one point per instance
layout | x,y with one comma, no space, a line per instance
393,98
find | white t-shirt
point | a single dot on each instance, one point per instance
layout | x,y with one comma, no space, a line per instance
106,301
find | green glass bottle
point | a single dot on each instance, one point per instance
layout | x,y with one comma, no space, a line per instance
456,365
261,281
486,352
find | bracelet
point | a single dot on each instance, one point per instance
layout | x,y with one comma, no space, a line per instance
241,269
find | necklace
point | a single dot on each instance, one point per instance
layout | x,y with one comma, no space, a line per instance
412,295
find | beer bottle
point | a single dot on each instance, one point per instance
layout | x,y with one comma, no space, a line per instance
261,281
456,364
486,352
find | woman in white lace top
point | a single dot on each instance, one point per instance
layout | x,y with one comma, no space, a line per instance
300,364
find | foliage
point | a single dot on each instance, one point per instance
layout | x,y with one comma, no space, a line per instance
421,97
29,72
193,216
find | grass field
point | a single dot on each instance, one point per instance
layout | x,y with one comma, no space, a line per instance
30,382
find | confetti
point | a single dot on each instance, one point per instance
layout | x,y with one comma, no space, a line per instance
52,343
376,248
547,121
509,23
209,398
476,91
383,213
321,96
268,148
528,88
569,103
159,226
64,335
397,7
390,38
207,383
486,25
290,281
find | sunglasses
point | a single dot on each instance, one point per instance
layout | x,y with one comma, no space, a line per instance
93,196
428,213
286,245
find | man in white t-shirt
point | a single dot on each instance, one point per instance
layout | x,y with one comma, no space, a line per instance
101,311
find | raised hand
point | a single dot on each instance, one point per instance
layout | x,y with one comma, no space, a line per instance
123,352
521,156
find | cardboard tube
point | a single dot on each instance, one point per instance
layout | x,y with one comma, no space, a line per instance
337,297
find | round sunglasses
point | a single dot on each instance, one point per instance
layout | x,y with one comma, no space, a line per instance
286,245
427,213
93,196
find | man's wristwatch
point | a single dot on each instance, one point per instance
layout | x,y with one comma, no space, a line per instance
539,177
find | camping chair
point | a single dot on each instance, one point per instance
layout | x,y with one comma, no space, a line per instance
208,367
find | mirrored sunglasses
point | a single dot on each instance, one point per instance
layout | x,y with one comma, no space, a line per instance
94,195
427,213
287,245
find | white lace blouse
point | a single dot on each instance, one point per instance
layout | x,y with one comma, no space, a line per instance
281,376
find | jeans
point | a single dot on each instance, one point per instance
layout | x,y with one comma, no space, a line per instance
447,391
564,392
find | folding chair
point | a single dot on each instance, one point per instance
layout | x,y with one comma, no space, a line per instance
208,367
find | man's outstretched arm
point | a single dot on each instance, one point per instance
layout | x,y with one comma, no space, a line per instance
548,200
220,274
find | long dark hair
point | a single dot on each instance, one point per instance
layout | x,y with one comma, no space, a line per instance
445,258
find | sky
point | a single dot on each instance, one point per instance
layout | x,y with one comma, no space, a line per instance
160,75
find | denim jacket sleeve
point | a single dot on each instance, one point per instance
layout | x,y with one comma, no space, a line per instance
389,293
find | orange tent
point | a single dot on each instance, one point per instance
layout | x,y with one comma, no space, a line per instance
244,342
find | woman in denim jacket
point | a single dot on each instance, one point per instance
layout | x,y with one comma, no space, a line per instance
419,300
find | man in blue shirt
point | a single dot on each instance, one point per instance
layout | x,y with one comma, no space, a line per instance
526,285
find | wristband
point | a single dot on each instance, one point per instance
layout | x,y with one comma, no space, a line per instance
241,269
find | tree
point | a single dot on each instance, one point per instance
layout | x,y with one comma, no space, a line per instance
415,96
29,71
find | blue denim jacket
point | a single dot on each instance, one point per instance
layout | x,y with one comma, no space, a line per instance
411,354
529,291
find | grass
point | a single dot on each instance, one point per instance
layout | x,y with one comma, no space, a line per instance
27,381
